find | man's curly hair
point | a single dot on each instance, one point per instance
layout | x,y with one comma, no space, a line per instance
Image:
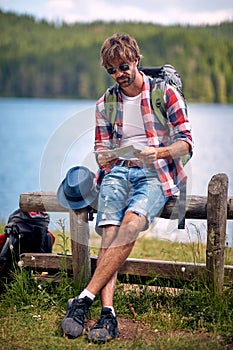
121,48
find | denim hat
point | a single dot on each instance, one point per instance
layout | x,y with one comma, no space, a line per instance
77,190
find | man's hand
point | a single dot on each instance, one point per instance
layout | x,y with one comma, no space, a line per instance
105,160
148,155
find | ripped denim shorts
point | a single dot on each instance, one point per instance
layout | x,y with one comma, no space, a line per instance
129,189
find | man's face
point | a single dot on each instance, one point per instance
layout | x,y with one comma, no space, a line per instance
123,73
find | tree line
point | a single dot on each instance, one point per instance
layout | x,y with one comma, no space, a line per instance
57,60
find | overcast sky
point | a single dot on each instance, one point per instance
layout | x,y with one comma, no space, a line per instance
163,12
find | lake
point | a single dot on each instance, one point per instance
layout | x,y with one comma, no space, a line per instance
43,138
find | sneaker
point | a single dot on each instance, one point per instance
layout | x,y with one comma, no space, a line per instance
105,329
76,310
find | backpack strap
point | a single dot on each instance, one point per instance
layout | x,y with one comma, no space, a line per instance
158,105
182,207
157,100
111,104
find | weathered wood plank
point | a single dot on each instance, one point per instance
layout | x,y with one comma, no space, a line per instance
47,262
47,201
181,271
216,230
40,201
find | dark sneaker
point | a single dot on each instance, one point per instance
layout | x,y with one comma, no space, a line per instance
105,329
76,310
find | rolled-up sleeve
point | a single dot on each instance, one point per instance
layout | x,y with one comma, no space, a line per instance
178,122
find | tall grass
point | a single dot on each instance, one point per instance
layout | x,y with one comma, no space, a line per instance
188,318
33,310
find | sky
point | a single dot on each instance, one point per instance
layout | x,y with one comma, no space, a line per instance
165,12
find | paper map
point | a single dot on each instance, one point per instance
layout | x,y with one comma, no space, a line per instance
126,152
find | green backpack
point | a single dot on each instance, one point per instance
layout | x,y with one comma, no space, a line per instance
161,75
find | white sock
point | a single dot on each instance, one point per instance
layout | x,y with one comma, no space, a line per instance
86,293
112,310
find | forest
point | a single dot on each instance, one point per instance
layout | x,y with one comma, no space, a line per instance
56,60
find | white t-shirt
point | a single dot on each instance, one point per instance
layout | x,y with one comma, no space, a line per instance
133,127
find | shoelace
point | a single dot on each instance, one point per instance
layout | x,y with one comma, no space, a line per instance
104,320
78,311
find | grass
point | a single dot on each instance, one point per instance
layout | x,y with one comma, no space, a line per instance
153,248
31,310
31,313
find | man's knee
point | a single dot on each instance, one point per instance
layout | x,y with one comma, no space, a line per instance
135,220
132,225
108,235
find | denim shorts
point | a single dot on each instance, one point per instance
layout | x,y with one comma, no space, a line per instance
129,189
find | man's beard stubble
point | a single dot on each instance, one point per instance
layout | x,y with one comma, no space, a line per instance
125,80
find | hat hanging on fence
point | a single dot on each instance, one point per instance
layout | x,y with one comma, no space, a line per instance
77,190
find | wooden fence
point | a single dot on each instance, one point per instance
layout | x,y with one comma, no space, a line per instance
217,208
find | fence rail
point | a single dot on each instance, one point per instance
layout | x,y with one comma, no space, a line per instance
216,208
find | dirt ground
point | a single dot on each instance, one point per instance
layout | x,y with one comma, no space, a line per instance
130,330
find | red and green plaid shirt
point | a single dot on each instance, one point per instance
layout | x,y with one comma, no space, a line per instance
170,171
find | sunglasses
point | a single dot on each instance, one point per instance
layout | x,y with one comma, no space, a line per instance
122,67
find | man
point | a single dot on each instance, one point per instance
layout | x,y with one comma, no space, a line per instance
132,192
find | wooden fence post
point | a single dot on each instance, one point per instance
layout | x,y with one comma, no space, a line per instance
79,234
216,231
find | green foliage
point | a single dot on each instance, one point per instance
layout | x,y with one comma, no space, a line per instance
63,243
32,308
31,317
188,309
39,59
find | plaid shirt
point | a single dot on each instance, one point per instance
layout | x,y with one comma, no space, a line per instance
170,171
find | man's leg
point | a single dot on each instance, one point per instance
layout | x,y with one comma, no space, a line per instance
117,252
107,326
107,292
77,308
112,255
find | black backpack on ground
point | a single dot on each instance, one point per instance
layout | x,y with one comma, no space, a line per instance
26,232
